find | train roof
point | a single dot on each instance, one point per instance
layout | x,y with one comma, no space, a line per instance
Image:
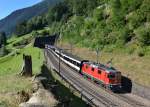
108,69
70,55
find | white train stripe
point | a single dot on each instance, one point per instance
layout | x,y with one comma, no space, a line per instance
67,62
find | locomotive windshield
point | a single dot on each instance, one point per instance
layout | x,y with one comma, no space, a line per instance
111,76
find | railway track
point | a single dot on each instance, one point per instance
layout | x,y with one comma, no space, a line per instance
124,97
103,98
103,103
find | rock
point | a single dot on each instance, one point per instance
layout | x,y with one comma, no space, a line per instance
42,98
31,105
23,96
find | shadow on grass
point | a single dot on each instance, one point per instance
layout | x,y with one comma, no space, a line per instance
61,93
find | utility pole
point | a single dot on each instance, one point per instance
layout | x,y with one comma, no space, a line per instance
59,59
60,50
71,46
97,54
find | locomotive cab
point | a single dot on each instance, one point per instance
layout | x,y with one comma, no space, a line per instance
114,81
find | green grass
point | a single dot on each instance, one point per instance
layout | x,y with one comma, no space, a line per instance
11,64
14,40
15,63
10,67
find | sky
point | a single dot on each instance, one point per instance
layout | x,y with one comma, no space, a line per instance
8,6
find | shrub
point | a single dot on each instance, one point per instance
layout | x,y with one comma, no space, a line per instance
44,32
35,33
112,37
98,14
141,52
143,35
135,19
125,35
130,5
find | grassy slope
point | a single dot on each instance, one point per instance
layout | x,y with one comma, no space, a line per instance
136,68
11,65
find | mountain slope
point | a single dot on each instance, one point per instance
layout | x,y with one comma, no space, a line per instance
8,24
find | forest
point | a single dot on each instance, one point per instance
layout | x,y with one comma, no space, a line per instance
104,24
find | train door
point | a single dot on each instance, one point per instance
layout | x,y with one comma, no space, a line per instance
106,79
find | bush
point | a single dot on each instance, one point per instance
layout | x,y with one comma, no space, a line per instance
125,35
35,34
44,33
130,5
98,14
135,19
112,37
141,52
143,35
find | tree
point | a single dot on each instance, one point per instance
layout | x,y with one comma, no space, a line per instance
143,35
3,50
3,39
82,7
59,11
21,28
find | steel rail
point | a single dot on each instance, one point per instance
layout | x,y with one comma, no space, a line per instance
90,90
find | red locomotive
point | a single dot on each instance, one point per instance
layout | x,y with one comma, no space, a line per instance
105,75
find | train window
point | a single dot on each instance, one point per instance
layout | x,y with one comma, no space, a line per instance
74,62
92,69
86,66
65,58
99,71
69,60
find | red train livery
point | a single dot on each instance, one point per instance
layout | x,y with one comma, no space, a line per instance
103,74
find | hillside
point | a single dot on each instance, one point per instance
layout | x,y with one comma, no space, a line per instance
8,24
105,24
120,29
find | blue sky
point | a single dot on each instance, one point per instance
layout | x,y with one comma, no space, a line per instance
8,6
